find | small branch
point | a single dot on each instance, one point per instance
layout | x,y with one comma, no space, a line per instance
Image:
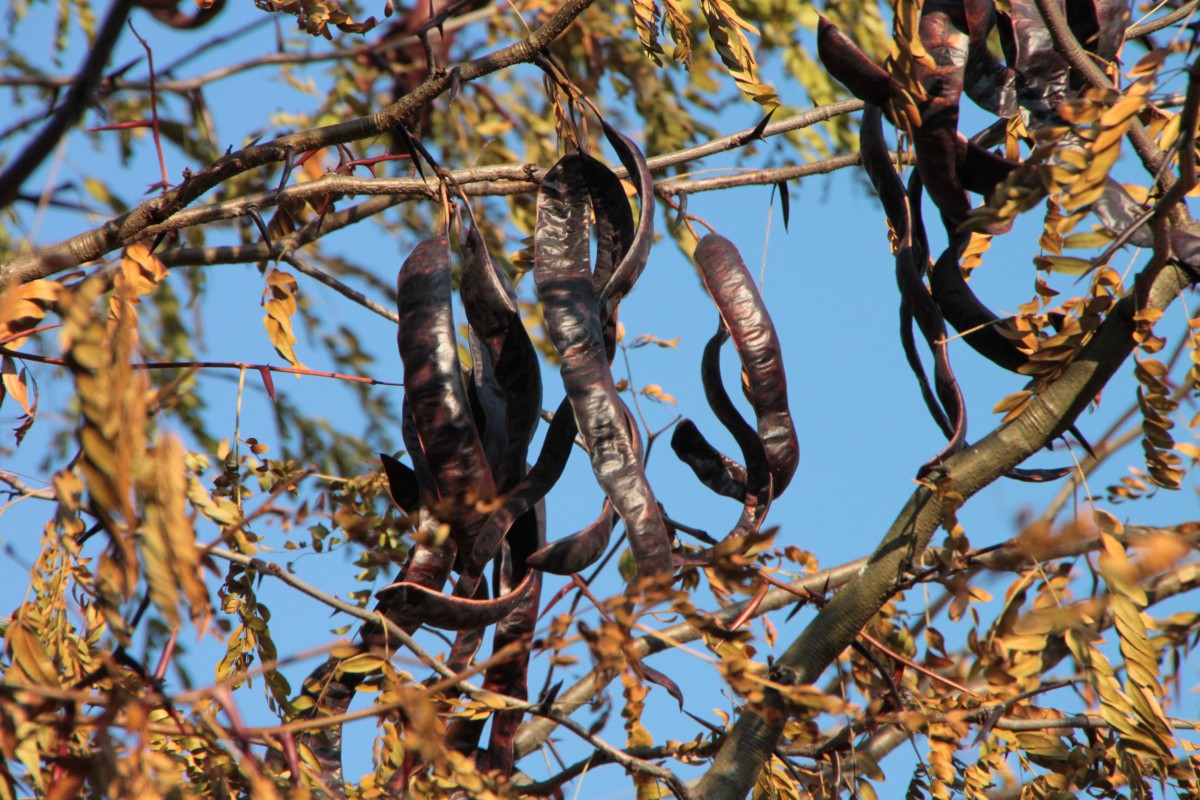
202,81
453,680
341,288
599,759
72,108
1165,21
1186,145
158,148
23,489
394,631
238,365
129,227
501,180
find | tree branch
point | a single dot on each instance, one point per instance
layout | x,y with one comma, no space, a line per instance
757,730
72,108
506,179
202,81
132,226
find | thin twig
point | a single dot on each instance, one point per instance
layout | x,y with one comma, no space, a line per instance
238,365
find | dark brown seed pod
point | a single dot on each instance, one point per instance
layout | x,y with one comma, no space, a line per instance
942,32
434,388
865,79
556,450
412,604
563,277
714,469
511,677
581,549
402,484
1042,83
946,404
745,317
634,257
489,301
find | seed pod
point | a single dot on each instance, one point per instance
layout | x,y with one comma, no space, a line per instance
434,388
745,317
573,322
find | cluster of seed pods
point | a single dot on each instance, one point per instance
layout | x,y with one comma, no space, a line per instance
1033,84
468,434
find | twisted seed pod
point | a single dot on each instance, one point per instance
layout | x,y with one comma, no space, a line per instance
564,281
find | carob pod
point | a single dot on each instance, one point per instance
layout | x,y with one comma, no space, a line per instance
987,81
434,390
444,427
1099,25
966,313
581,549
487,403
556,450
943,32
745,317
490,303
633,259
757,488
946,407
331,690
563,277
402,484
622,249
714,469
510,676
1042,75
865,79
410,603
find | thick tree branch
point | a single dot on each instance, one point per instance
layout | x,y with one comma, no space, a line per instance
1011,556
757,730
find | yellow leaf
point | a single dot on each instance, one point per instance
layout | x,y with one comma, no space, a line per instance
14,384
655,392
1066,265
1084,241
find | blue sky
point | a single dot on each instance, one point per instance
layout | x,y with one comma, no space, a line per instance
829,285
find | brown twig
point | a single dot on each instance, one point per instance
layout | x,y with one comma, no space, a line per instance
499,180
158,148
239,365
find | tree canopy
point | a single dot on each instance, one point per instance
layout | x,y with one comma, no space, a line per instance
181,512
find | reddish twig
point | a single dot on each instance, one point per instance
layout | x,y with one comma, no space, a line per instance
162,161
122,126
12,337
